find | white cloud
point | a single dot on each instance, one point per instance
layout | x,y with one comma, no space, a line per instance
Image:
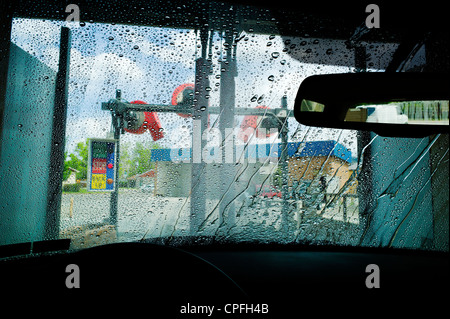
172,53
140,61
39,38
83,128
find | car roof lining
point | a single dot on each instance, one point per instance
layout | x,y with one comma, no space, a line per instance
322,19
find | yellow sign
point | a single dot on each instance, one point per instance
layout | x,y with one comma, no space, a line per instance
98,181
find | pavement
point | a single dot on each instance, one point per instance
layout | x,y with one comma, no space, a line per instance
85,218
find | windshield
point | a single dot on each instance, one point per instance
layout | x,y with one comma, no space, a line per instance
233,165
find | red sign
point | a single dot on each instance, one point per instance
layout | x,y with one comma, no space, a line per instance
99,166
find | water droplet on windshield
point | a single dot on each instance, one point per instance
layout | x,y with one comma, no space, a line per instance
275,55
261,98
271,78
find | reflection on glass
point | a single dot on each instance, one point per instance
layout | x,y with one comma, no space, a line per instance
311,106
409,112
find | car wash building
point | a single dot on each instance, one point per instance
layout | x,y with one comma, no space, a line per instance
257,164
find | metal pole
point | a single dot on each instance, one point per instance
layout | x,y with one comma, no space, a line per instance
58,139
226,121
114,199
200,123
365,183
285,218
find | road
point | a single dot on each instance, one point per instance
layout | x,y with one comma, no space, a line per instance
139,214
142,215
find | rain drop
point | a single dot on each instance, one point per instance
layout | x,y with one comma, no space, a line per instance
275,55
271,78
261,98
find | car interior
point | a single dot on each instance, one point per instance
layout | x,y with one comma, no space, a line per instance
296,160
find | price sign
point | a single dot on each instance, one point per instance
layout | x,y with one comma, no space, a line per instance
98,181
101,164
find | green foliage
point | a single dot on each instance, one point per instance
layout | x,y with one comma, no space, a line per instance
77,161
136,160
66,171
133,161
72,187
277,180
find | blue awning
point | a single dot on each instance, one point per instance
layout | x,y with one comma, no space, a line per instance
261,151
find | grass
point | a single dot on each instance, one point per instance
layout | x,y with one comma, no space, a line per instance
85,191
82,191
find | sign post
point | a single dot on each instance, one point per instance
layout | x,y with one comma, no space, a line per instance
101,165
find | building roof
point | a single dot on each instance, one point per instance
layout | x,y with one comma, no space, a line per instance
150,173
261,151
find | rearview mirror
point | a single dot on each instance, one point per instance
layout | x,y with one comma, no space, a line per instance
390,104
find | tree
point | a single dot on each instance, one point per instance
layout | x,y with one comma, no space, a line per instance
133,161
140,160
277,179
66,171
125,161
77,161
136,160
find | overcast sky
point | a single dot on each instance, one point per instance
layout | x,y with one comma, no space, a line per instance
149,63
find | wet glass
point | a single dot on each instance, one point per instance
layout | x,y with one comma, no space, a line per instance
238,167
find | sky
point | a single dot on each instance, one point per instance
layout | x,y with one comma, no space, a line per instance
148,63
